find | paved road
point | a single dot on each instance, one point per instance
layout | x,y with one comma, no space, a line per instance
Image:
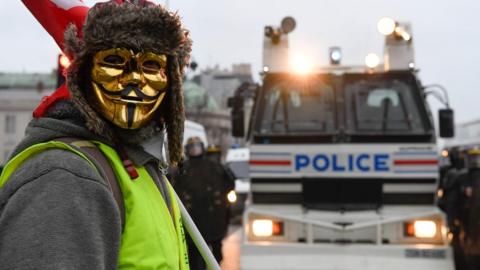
231,249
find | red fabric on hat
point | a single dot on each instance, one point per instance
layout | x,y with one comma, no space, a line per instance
60,94
55,16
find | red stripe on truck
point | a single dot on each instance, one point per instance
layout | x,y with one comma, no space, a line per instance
271,162
416,162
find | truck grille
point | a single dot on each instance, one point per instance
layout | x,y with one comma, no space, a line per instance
343,193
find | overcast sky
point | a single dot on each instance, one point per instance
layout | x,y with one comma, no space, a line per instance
446,36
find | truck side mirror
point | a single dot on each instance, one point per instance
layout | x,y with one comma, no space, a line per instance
446,123
237,115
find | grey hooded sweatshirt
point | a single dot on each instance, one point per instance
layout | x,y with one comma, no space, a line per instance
56,212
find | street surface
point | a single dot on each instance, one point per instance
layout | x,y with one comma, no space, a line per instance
231,248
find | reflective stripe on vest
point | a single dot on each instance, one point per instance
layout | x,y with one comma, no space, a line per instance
151,239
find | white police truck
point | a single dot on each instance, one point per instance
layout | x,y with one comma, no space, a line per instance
343,163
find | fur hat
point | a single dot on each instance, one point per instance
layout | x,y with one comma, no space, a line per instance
141,26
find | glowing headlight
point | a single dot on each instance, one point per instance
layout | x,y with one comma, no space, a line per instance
262,227
372,60
425,228
267,227
421,229
386,26
232,196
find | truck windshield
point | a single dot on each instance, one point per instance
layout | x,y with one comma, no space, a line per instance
382,107
298,106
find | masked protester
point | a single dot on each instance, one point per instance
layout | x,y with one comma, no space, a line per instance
79,191
203,186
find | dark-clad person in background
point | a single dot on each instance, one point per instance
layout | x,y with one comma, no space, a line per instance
203,185
214,153
450,200
469,207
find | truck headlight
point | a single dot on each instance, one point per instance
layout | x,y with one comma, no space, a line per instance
262,227
421,229
267,227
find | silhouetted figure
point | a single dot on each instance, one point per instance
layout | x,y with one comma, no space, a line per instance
203,185
468,217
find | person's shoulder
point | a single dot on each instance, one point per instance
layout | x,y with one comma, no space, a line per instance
213,164
452,172
461,175
58,191
462,172
58,164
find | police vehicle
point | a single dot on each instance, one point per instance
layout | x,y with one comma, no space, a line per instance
343,162
237,160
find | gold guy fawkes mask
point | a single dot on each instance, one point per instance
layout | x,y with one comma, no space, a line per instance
128,87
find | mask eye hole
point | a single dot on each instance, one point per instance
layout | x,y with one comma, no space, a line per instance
114,60
151,65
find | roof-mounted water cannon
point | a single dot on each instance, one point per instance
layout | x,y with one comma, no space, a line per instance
275,46
274,33
398,51
389,27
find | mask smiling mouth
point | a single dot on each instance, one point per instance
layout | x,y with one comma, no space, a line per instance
130,98
124,94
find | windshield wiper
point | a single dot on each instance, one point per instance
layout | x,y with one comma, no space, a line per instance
405,114
274,114
385,104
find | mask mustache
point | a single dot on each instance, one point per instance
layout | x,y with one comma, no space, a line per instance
124,93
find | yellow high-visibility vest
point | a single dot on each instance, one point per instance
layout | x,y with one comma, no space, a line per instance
152,238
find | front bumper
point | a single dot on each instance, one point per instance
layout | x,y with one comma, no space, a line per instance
281,256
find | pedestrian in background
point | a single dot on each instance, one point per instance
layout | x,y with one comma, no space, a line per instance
451,198
469,207
214,153
203,185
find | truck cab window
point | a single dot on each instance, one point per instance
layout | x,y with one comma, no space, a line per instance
382,107
298,107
